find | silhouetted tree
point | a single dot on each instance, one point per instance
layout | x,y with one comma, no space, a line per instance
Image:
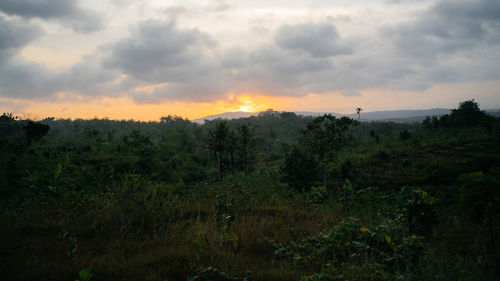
358,110
467,114
35,131
219,138
245,134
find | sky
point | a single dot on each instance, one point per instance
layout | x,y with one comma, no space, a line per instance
143,59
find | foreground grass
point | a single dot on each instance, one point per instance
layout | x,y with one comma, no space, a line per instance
191,238
255,227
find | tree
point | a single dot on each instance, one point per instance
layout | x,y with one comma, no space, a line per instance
324,136
35,131
245,135
404,135
219,140
358,110
300,169
467,114
136,140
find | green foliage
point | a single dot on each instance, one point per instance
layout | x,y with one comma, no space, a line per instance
404,135
480,201
246,134
85,274
419,210
351,243
225,210
300,169
35,131
72,242
317,196
223,141
322,139
57,171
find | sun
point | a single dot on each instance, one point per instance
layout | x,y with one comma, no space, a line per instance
247,106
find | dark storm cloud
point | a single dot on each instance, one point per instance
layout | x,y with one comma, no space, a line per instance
66,11
317,39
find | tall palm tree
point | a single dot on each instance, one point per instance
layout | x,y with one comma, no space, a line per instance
358,110
219,138
246,134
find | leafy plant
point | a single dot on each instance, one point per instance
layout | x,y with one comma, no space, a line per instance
317,196
351,243
72,241
419,210
480,200
225,210
85,274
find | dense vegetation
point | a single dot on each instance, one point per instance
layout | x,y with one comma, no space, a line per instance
272,197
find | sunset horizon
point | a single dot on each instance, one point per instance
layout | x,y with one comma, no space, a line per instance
147,59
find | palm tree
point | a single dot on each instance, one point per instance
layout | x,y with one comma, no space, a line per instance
358,110
246,134
219,140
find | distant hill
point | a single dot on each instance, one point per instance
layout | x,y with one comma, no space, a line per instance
398,116
226,115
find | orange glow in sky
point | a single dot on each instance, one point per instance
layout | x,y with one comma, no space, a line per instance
126,108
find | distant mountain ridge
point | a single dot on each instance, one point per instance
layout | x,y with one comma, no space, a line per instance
399,116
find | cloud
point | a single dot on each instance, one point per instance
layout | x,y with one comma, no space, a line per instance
16,75
447,42
259,29
234,58
219,6
14,35
24,79
174,12
403,1
317,39
66,11
160,61
160,52
157,51
447,27
21,79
